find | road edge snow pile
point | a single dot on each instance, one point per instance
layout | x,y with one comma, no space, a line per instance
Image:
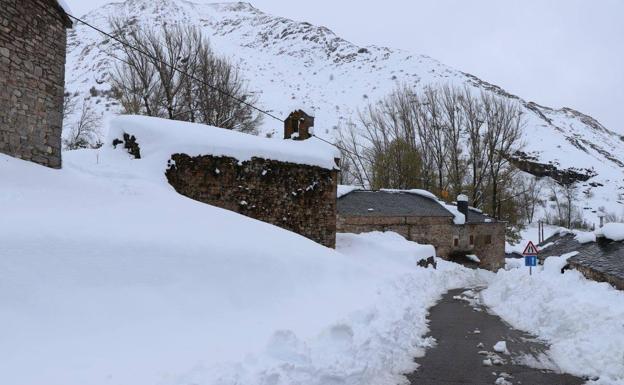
582,320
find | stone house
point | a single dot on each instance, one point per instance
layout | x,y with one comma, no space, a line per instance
424,219
600,261
32,78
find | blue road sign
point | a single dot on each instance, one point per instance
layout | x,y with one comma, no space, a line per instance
530,260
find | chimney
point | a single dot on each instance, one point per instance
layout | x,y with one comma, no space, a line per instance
298,126
462,204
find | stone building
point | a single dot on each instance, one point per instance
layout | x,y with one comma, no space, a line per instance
32,77
423,219
601,261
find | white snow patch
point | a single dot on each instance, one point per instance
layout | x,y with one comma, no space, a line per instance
612,231
473,258
346,189
585,236
501,347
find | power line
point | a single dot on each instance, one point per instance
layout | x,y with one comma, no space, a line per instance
335,145
147,54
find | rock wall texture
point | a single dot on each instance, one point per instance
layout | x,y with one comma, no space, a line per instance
32,77
295,197
488,239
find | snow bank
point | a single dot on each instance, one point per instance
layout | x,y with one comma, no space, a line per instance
581,319
107,276
613,231
164,136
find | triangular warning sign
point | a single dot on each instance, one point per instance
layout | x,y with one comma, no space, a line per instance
531,249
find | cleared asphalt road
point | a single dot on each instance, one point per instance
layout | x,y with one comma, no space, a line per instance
464,354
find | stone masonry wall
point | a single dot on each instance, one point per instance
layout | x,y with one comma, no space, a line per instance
598,276
32,76
488,243
488,238
436,231
295,197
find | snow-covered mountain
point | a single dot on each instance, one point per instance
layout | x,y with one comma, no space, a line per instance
295,65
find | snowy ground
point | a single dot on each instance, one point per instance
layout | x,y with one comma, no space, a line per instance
107,276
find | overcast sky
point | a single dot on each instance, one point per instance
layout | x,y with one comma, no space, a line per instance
554,52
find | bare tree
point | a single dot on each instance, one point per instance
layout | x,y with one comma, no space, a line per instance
503,135
530,193
455,122
173,73
85,132
474,116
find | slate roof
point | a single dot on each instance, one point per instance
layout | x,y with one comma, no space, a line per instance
385,203
404,204
604,255
477,217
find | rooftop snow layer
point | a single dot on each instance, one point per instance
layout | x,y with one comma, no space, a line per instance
173,137
64,5
612,231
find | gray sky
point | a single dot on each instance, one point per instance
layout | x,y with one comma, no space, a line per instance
554,52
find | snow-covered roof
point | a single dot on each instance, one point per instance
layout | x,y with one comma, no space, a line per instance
161,136
346,189
64,5
440,208
612,231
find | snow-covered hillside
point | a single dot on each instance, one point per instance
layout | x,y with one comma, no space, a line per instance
109,277
297,65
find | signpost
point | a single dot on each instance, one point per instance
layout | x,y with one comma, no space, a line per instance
530,256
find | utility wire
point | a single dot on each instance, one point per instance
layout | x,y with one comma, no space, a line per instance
147,54
335,145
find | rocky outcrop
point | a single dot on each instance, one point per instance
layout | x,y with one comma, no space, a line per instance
568,176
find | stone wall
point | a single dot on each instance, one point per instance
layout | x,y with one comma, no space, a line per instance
598,276
441,232
32,76
295,197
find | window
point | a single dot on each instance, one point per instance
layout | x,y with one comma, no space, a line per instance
472,240
456,242
488,239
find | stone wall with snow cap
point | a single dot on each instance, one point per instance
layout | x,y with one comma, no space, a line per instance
290,184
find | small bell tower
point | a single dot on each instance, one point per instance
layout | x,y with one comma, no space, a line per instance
298,126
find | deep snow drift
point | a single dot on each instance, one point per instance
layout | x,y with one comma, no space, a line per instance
107,276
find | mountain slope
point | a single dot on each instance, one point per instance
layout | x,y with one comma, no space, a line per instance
297,65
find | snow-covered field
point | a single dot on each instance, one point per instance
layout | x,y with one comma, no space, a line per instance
107,276
582,320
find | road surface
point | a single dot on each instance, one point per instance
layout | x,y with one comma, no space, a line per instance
466,334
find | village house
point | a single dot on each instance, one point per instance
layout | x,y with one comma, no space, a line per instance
457,232
600,258
32,78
